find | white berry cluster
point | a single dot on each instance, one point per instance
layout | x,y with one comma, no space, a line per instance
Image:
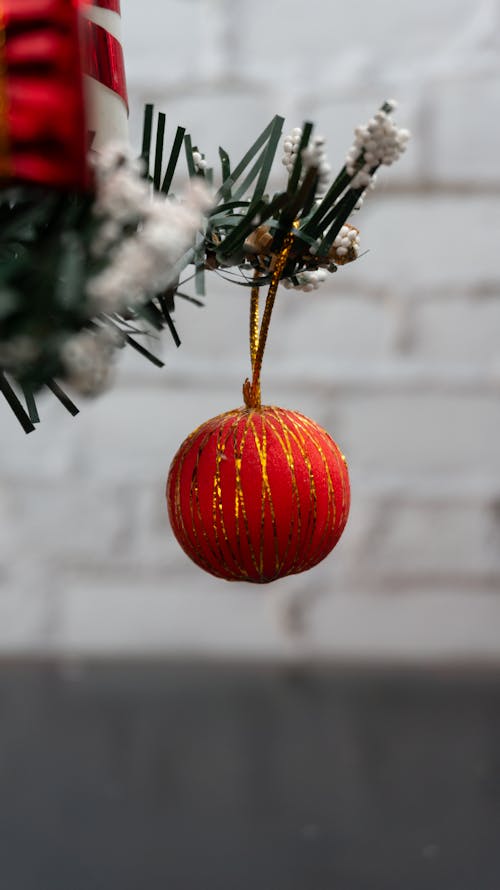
144,261
200,164
347,241
307,281
313,155
290,148
377,142
345,247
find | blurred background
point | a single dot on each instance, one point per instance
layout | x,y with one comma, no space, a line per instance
339,728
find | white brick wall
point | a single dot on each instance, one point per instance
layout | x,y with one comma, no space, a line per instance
399,357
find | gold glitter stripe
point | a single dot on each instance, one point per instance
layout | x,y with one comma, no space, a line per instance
340,520
217,508
287,449
345,488
235,571
316,555
266,496
198,530
222,441
303,433
309,526
284,441
239,460
195,507
238,494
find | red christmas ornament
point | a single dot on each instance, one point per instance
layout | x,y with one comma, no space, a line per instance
258,494
43,134
46,48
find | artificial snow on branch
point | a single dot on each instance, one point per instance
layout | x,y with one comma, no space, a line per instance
85,273
144,262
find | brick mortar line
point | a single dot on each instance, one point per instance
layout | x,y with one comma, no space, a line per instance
430,187
452,292
232,81
204,376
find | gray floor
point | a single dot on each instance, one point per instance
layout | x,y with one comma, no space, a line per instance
149,776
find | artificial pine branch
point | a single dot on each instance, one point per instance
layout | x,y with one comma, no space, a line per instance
48,264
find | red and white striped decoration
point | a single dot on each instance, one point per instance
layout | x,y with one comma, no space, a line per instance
105,83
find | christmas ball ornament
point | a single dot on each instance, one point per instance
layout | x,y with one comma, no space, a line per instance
257,494
43,134
260,492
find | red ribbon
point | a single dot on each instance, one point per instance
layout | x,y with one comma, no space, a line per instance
103,59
